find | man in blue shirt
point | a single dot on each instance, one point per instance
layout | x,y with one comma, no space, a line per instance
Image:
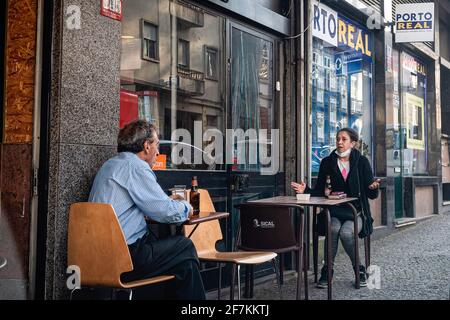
128,183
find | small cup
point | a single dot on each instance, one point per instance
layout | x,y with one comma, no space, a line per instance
303,196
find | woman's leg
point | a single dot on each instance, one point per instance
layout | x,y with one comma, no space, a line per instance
347,238
335,230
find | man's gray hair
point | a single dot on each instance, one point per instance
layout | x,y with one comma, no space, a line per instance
133,135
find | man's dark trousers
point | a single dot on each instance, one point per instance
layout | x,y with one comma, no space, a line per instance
173,255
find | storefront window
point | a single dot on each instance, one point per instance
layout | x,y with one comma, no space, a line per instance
414,127
341,89
252,98
171,76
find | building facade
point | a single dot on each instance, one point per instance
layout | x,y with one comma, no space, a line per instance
259,86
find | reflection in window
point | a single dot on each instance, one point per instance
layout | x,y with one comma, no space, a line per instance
265,60
341,97
211,61
150,40
414,114
252,95
183,53
186,103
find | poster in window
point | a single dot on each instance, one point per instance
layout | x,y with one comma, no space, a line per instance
415,128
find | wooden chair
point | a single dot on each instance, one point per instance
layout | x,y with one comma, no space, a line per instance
205,238
96,244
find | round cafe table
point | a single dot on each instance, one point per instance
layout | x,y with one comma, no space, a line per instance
2,262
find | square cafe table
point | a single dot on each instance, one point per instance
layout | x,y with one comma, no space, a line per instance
325,204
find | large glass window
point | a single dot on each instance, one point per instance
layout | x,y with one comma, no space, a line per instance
174,93
341,90
413,114
252,99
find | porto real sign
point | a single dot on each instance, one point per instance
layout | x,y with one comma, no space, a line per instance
339,31
414,22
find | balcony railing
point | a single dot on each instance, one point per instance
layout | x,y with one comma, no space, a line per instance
188,16
190,82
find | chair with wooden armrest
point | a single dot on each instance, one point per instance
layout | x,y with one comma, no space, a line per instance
97,246
209,233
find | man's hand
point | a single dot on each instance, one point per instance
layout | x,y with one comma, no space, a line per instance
191,212
298,187
177,197
375,184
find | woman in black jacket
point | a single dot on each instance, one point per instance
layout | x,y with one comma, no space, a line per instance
350,172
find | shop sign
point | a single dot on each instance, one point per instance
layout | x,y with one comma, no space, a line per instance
351,36
414,22
324,23
339,31
111,9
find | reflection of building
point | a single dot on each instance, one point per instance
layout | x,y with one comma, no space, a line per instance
341,91
195,77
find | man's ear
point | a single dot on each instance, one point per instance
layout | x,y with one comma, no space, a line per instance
146,145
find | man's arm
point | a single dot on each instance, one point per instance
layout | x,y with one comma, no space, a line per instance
153,201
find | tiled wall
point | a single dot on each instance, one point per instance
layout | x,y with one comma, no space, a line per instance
20,65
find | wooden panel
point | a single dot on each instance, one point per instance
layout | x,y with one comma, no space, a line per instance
445,161
424,201
20,69
375,209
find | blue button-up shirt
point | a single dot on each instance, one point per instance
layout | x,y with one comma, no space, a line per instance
129,185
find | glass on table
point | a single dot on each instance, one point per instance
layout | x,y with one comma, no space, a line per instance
179,190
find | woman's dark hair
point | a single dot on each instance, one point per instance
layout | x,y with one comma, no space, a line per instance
133,135
351,133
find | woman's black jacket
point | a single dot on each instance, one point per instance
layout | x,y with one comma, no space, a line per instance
357,185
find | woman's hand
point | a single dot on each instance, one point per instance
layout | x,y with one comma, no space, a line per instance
375,184
298,187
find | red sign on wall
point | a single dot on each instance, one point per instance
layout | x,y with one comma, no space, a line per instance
111,8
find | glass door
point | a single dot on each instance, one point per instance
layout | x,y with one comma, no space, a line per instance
252,138
406,126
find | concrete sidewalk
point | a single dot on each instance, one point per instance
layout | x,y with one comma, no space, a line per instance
414,264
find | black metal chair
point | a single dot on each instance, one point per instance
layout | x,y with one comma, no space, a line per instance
275,228
356,237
